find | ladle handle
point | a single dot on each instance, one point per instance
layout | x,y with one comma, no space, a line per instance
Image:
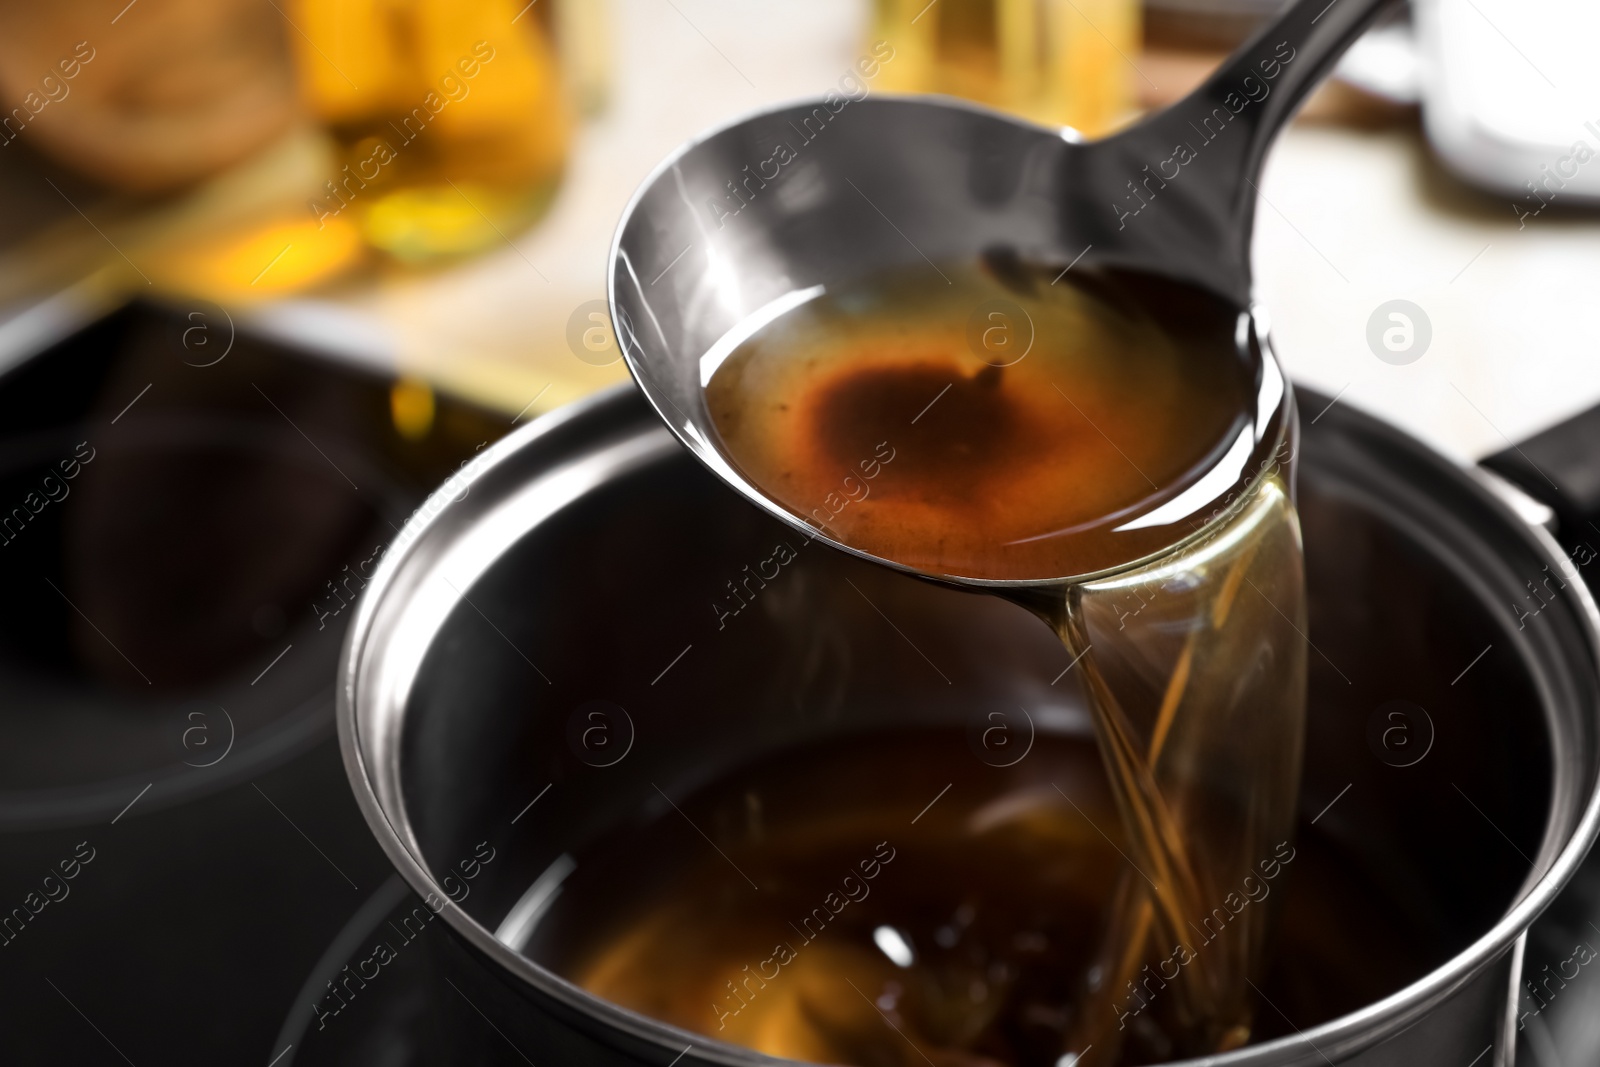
1194,165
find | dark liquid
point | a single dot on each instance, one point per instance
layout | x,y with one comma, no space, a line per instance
997,427
994,897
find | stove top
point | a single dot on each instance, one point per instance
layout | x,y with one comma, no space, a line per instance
187,514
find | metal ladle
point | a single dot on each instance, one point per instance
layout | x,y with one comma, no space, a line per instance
715,242
742,225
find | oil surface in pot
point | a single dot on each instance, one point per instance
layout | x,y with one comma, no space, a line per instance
1000,421
887,932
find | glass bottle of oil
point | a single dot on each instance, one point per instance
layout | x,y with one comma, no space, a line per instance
450,117
1057,62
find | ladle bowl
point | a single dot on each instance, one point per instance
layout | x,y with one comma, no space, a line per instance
743,223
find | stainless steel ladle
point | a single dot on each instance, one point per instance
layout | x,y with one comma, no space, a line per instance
752,220
732,229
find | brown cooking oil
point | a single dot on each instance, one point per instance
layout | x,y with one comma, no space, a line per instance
862,911
1005,422
998,427
886,935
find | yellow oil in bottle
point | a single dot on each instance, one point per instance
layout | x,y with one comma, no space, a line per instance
1057,62
450,116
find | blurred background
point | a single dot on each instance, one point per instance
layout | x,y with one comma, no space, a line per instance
430,188
270,270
